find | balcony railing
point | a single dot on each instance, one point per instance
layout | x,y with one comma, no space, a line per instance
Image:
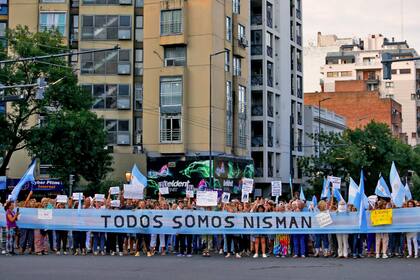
257,79
270,81
270,51
257,110
170,135
270,22
256,49
256,20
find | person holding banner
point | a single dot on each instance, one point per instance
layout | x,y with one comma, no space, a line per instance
299,240
98,237
61,235
26,239
259,238
342,238
381,238
11,227
114,238
321,239
232,238
412,237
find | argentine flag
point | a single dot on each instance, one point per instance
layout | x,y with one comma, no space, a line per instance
326,192
398,192
314,201
302,195
138,179
354,194
382,189
27,177
407,191
338,195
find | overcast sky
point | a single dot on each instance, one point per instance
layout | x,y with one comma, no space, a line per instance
358,18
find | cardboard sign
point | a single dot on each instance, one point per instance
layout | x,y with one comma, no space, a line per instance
77,195
335,181
207,198
324,219
133,191
62,198
114,190
115,203
276,188
225,197
247,185
99,197
189,192
45,214
164,190
245,197
381,217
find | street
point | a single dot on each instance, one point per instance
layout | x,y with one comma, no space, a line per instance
197,267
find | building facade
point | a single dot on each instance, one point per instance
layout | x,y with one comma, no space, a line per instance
276,91
316,119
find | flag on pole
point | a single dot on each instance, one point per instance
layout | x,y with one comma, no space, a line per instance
361,205
407,191
27,177
398,192
314,201
302,195
338,195
291,187
354,194
382,189
326,192
138,179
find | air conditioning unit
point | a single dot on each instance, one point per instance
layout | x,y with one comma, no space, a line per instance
124,69
123,104
123,139
124,34
125,2
243,42
170,62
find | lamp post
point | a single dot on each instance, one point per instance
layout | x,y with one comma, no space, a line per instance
319,122
210,114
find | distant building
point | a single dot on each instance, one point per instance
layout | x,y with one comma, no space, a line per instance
328,121
359,106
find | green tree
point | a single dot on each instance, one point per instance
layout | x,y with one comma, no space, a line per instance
78,132
372,148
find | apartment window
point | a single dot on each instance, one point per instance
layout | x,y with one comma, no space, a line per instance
227,61
138,65
170,94
106,27
74,31
139,28
138,128
171,22
237,66
175,56
52,21
109,96
394,71
229,114
106,2
346,74
242,115
3,37
139,3
236,6
332,74
170,128
269,15
106,63
138,96
241,31
389,84
118,132
270,74
405,71
269,44
228,28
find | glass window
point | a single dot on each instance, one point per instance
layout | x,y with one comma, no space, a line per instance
170,128
52,21
236,6
106,27
405,71
237,66
106,63
171,22
108,96
229,114
175,56
171,94
227,61
228,28
139,28
138,98
139,62
118,132
241,31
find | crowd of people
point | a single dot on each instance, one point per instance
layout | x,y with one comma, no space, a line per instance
42,242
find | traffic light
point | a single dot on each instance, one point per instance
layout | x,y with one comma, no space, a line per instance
387,70
41,84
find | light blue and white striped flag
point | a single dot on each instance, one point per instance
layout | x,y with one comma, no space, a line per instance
398,192
27,177
354,194
382,189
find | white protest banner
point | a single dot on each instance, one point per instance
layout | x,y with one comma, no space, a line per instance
62,198
189,192
45,214
324,219
77,195
276,188
247,185
114,190
133,191
115,203
245,197
207,198
164,190
99,197
225,197
335,181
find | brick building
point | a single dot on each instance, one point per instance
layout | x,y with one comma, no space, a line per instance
352,100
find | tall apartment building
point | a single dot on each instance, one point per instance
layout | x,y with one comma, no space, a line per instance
4,18
154,92
362,61
276,90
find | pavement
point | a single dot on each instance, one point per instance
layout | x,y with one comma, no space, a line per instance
197,267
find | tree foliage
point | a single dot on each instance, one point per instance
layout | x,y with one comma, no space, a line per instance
372,148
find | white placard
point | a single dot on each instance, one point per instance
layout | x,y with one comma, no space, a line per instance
206,198
247,185
335,181
61,198
99,197
114,190
324,219
164,190
45,214
133,191
115,203
225,197
276,188
245,197
77,195
189,191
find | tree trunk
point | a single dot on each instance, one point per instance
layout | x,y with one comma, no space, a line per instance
6,161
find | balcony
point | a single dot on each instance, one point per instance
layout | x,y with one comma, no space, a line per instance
299,40
257,79
257,110
299,14
270,141
270,51
170,135
257,141
270,22
270,81
256,49
256,20
372,80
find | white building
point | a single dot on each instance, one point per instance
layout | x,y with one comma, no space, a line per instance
277,90
361,60
328,121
